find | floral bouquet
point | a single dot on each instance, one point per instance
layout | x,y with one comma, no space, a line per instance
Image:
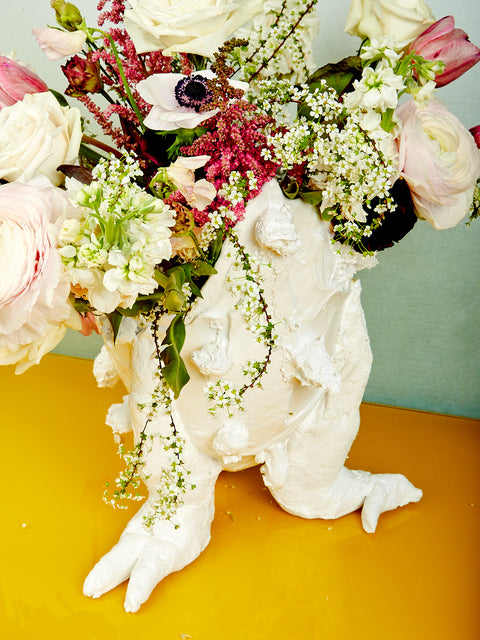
201,105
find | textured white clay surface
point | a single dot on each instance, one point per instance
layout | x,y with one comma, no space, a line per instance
299,426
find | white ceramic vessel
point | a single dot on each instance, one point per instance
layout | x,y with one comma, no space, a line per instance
299,426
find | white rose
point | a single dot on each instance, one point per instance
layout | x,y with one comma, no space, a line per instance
36,136
399,20
184,26
59,44
439,161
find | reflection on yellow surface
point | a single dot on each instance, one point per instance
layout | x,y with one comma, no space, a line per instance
266,575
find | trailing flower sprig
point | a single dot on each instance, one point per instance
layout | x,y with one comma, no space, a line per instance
252,306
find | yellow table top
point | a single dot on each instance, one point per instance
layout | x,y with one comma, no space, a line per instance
266,575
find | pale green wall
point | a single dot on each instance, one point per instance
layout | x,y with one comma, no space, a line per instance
422,308
422,301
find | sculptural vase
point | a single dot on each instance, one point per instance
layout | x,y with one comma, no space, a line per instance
298,425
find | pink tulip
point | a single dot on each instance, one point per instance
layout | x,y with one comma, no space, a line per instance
442,42
17,80
475,131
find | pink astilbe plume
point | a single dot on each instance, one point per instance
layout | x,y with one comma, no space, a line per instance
135,67
234,141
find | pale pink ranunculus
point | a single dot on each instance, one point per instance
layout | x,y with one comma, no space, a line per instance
439,161
57,44
33,290
16,80
441,41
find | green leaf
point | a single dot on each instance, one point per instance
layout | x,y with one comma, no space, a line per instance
60,98
216,247
115,318
131,312
174,370
161,278
90,154
202,268
174,301
338,75
311,197
291,189
387,123
326,215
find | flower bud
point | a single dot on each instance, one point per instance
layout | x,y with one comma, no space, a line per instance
67,14
83,75
442,42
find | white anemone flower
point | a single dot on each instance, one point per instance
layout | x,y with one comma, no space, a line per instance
176,99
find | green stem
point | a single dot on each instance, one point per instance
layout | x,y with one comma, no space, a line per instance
123,77
101,145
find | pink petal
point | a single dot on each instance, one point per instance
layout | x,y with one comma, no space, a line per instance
439,28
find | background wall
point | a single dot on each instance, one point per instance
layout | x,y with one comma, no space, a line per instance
422,301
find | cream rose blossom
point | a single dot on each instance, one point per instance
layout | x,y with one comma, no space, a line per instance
184,26
399,20
439,160
33,291
36,136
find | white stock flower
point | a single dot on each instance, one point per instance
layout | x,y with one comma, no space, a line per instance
36,136
182,26
378,89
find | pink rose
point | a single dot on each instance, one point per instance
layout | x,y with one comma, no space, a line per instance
33,293
59,44
16,80
441,41
439,160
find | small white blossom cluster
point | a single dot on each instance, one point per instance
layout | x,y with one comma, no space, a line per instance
217,221
128,481
115,236
346,163
238,188
224,395
172,484
244,284
291,22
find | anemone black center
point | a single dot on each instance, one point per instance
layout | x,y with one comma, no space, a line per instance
193,92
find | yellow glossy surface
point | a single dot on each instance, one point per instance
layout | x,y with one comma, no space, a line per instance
266,575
